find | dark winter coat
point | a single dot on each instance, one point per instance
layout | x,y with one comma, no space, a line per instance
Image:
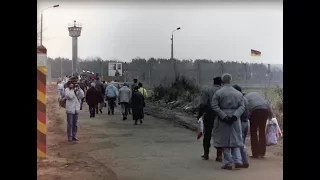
92,96
205,103
132,86
137,104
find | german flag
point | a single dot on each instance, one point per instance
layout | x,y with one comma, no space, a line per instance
255,53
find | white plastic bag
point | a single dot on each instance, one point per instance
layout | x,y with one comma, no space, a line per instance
200,128
273,132
279,132
80,93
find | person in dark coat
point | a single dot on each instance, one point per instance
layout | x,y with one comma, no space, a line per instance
228,104
104,85
208,118
259,111
135,83
92,99
137,104
99,86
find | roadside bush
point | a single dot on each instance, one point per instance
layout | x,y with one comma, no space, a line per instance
279,92
279,105
180,88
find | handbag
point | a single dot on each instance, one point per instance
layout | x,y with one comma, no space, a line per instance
62,102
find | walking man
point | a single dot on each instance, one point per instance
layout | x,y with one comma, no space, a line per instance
92,99
208,119
228,104
245,129
259,112
72,110
124,99
99,89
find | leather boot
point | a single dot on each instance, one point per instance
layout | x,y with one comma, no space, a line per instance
205,155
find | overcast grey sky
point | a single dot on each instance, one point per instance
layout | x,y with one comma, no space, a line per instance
123,31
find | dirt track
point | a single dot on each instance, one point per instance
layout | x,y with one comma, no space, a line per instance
110,148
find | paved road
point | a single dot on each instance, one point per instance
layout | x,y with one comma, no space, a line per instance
158,150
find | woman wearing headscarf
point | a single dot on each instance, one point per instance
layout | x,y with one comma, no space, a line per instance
111,95
137,105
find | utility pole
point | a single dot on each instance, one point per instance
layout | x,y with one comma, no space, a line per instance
61,73
172,46
41,21
246,75
149,74
125,71
269,76
174,61
198,72
221,68
101,69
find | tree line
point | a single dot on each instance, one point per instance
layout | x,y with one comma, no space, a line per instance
157,70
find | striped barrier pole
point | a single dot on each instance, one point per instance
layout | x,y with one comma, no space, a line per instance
41,102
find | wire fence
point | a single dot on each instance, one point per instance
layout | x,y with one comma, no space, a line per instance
246,75
155,72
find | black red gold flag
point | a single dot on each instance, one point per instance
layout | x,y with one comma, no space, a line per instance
255,53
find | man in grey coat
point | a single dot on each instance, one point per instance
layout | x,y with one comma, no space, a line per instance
124,99
228,104
259,111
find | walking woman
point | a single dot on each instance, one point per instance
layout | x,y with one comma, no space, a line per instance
137,105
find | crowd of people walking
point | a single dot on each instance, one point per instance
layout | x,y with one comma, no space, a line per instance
74,91
228,115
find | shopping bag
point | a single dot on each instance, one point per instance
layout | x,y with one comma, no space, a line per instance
200,128
279,132
273,132
63,102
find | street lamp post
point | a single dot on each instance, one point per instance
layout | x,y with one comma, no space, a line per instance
174,63
41,21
